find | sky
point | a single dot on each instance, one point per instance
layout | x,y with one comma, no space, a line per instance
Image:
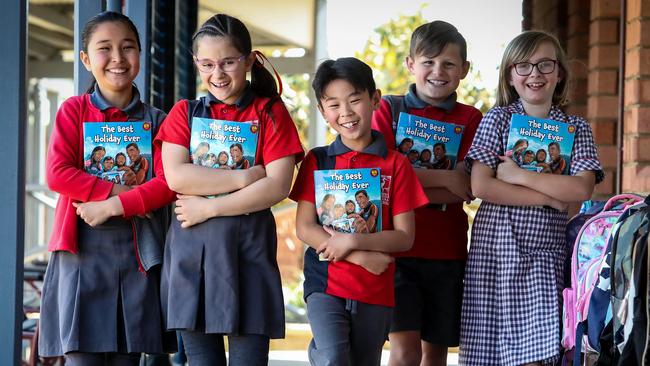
491,25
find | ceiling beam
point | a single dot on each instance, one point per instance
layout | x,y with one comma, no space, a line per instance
55,39
48,18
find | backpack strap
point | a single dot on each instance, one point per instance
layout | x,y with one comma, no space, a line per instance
323,160
397,105
194,110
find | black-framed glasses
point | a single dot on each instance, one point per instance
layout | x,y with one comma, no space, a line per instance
526,68
227,64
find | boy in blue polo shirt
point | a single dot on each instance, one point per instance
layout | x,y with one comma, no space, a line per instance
350,298
429,277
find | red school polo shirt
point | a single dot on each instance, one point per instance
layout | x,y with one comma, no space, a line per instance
440,235
401,192
278,135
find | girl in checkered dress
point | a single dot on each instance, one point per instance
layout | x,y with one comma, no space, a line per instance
513,279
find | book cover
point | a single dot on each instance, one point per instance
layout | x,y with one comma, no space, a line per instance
119,152
349,200
540,145
223,144
427,143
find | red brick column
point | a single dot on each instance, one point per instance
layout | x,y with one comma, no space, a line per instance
602,87
636,143
577,49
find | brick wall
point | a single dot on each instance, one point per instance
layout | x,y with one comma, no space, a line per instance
602,86
589,29
636,153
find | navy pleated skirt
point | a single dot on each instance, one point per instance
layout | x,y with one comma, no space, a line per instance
222,276
98,300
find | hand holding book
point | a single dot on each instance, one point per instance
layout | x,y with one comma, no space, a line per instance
509,172
338,246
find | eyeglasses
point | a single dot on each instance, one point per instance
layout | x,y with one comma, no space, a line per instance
227,64
526,68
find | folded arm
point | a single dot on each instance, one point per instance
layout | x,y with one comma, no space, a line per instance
191,179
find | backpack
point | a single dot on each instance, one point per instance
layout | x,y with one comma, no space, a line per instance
588,264
629,262
315,269
588,210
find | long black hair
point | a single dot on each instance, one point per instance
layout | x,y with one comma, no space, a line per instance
222,25
101,18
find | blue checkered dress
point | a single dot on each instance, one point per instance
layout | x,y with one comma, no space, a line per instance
513,280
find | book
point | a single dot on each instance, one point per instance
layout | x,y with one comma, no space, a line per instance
349,200
223,144
540,145
428,144
119,152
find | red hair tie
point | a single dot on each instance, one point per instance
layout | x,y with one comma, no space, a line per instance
259,62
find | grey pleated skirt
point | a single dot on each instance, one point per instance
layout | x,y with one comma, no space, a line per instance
222,276
98,301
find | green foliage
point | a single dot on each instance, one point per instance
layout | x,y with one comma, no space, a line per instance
387,49
295,94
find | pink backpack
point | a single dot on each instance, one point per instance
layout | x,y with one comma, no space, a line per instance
588,259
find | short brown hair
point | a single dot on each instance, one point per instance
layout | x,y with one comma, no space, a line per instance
430,39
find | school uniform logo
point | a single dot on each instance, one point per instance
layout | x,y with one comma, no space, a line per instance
385,189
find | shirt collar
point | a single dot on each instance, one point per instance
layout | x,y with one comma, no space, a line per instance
244,100
555,114
133,109
412,101
376,147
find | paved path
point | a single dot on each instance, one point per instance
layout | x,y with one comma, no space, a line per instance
299,358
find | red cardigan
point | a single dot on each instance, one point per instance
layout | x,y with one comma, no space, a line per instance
65,173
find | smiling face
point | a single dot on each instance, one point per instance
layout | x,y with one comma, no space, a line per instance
405,146
425,156
362,200
223,158
99,155
349,112
113,58
236,154
439,152
537,89
436,78
541,156
108,164
554,151
528,157
329,202
120,160
225,86
133,153
350,207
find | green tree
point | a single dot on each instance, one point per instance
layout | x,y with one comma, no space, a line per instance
295,94
387,49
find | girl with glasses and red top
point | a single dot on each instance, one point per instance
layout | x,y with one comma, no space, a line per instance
220,274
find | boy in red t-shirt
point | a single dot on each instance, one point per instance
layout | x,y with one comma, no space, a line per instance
350,297
429,277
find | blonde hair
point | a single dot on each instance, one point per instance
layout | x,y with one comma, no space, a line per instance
520,49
